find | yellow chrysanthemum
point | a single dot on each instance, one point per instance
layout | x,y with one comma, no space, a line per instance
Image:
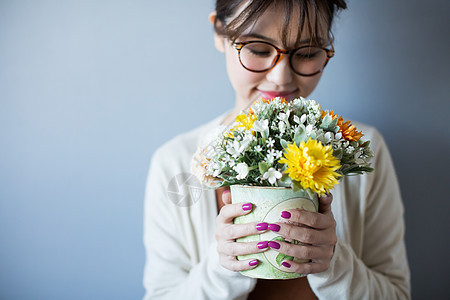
347,129
243,121
313,165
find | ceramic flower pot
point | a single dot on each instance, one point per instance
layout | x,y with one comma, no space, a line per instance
268,203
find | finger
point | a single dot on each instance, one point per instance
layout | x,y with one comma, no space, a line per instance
306,268
325,203
302,251
231,263
311,219
242,248
235,231
226,197
305,235
231,211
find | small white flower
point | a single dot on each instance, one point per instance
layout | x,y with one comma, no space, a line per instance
246,141
338,136
261,125
226,158
269,159
282,126
302,119
358,158
297,119
329,136
258,107
272,175
278,154
242,170
272,152
258,148
284,116
350,149
234,149
270,142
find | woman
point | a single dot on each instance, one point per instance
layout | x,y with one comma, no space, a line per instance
356,247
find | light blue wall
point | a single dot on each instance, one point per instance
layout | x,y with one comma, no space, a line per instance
89,89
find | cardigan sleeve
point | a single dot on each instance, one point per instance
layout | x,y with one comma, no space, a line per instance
381,270
170,271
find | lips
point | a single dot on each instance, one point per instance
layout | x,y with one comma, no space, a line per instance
273,94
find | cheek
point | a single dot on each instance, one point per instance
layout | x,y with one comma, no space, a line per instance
308,84
240,77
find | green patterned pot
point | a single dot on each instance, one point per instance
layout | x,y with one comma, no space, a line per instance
268,203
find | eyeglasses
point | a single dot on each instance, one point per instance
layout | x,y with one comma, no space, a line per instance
260,56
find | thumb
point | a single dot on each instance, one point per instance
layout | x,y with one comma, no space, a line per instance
226,196
325,203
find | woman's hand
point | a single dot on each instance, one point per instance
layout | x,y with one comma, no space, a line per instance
315,229
227,233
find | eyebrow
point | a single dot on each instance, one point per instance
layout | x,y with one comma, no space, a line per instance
268,39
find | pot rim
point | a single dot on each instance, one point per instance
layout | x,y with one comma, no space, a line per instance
260,187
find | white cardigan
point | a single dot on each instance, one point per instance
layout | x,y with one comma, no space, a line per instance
181,257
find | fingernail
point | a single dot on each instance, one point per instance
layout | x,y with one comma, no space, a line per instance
286,264
274,227
274,245
253,262
247,206
226,192
262,226
285,214
262,245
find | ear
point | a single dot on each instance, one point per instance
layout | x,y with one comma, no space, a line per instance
219,40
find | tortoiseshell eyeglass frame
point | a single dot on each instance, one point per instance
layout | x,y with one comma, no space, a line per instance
239,45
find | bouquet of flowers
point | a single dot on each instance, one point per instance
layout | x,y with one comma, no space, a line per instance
278,143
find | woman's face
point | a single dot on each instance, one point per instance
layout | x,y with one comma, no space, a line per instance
279,81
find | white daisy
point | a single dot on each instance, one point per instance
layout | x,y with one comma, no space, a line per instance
272,175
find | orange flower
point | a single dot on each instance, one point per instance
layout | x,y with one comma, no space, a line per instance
347,130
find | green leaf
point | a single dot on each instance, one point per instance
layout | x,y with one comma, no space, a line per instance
285,178
338,153
283,143
266,133
263,167
311,194
328,123
279,238
282,257
296,186
300,135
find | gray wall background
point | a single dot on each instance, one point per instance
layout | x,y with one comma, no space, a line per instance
89,89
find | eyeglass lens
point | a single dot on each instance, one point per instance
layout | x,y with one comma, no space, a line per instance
261,57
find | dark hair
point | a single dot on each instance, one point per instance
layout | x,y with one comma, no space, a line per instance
313,16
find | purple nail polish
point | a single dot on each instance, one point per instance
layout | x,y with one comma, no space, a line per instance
253,262
286,264
247,206
262,226
274,227
285,214
274,245
262,245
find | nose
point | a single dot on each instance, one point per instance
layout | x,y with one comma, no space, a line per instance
281,73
